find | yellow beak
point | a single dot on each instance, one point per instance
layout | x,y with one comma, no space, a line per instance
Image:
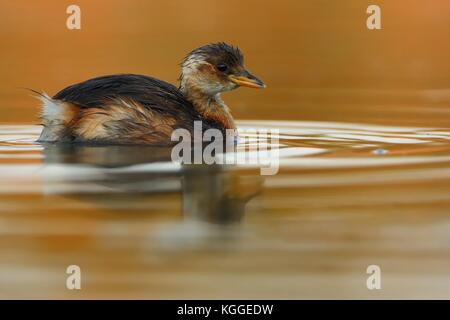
246,79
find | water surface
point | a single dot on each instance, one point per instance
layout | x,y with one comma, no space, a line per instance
347,196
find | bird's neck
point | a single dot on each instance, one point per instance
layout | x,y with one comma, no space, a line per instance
211,107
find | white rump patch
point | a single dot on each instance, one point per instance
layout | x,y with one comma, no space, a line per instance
53,118
52,110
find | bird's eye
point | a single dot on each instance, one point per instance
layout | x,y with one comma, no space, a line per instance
222,67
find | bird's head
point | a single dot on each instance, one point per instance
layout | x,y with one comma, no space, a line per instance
215,68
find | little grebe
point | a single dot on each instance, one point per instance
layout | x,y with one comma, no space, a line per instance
137,109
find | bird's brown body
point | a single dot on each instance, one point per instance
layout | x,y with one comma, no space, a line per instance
136,109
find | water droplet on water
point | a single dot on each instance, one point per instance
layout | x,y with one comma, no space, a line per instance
380,151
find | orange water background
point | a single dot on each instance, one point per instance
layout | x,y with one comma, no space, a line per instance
308,232
318,57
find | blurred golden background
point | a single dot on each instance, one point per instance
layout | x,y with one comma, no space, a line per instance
368,194
318,57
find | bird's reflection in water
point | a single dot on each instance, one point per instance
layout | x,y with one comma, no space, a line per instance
213,197
104,155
